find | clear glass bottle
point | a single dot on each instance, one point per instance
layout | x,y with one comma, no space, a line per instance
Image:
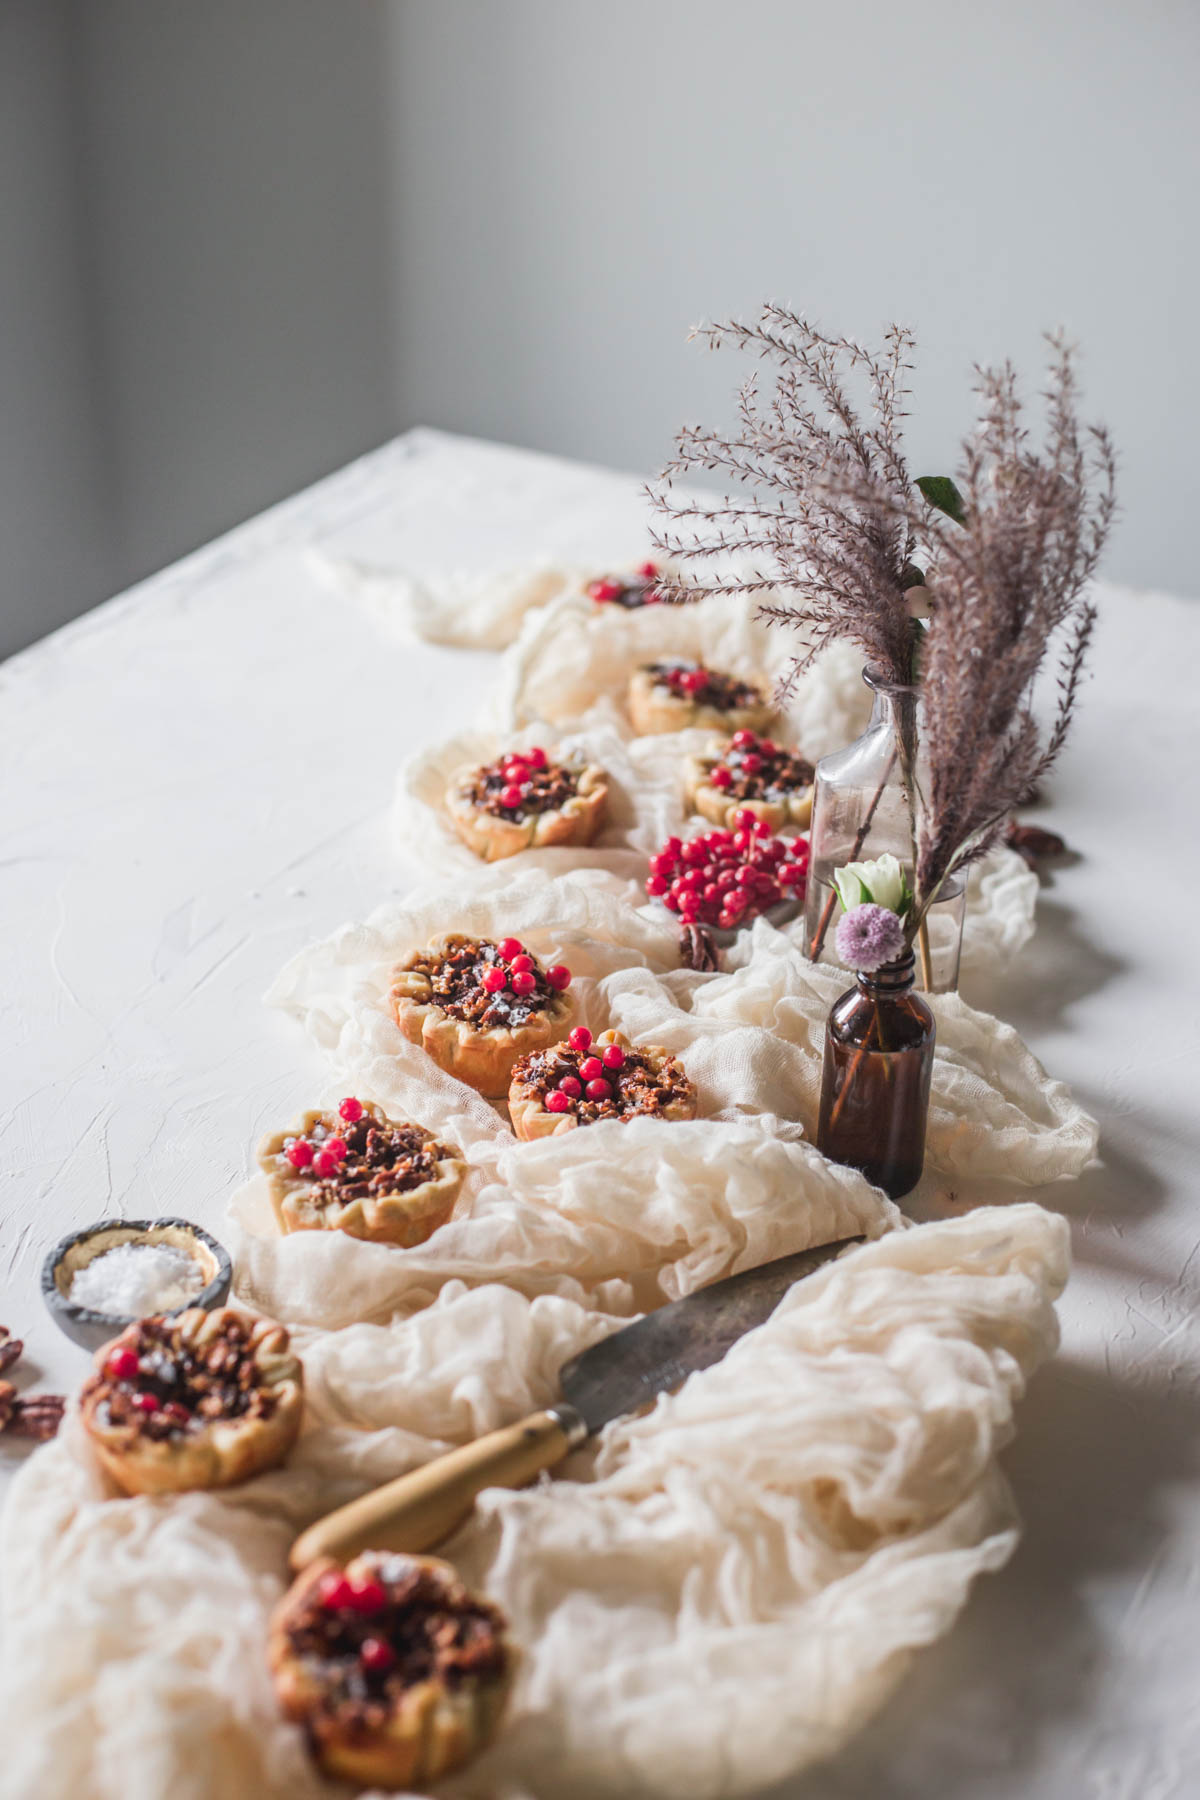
866,802
879,1040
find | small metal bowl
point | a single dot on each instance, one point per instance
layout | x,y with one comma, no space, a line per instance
91,1329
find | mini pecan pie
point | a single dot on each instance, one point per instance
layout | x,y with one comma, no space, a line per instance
360,1172
397,1672
581,1081
751,774
524,801
198,1400
476,1006
674,695
630,592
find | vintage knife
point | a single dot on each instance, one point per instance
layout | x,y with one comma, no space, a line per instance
618,1375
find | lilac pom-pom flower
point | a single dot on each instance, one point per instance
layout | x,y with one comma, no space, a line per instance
869,936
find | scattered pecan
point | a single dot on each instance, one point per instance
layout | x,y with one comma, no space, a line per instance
10,1349
1032,843
698,949
39,1417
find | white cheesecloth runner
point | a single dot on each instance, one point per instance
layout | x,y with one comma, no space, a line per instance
723,1589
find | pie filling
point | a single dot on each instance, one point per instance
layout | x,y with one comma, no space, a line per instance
706,687
164,1387
360,1158
488,985
754,768
601,1082
628,591
517,786
386,1625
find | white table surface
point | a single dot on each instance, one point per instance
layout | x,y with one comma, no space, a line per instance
196,778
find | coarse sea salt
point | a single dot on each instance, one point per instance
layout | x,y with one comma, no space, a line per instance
131,1281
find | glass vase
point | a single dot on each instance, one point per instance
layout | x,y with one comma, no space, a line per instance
867,802
879,1042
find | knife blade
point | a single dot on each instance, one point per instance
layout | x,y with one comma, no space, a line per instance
618,1375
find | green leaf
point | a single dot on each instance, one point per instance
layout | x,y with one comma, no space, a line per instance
941,492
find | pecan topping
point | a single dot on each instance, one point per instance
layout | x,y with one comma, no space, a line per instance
379,1158
754,768
697,948
638,1084
161,1385
628,591
38,1417
10,1349
541,790
707,687
456,977
397,1624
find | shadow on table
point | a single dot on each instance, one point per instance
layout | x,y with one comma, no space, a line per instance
1057,968
979,1713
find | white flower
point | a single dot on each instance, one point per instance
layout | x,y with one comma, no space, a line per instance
878,883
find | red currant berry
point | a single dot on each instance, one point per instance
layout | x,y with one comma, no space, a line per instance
671,902
613,1057
747,876
524,981
515,773
299,1154
647,570
694,681
743,818
673,846
123,1364
522,964
367,1596
557,1101
559,976
791,874
510,947
351,1110
580,1039
710,892
743,740
336,1147
752,763
720,777
145,1403
324,1164
657,884
592,1069
691,881
570,1087
598,1090
768,747
741,842
662,864
761,827
726,920
376,1655
694,854
604,590
493,979
536,758
511,796
334,1591
177,1413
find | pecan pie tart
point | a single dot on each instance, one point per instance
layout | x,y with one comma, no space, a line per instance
751,774
584,1079
629,592
196,1400
397,1672
675,695
525,801
477,1006
360,1172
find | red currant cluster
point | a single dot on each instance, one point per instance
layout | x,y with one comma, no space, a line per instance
590,1081
338,1592
753,754
640,592
124,1364
727,878
516,775
323,1158
687,681
519,972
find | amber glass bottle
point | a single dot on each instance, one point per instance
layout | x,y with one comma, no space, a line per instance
875,1085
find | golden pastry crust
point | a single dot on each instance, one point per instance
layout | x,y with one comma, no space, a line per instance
229,1396
655,707
577,818
650,1083
398,1673
783,806
396,1184
480,1040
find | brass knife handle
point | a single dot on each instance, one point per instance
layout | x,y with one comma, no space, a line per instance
419,1509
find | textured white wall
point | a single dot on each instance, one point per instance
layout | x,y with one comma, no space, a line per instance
577,184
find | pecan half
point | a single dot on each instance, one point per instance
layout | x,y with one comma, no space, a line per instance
39,1417
1032,843
697,948
10,1349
